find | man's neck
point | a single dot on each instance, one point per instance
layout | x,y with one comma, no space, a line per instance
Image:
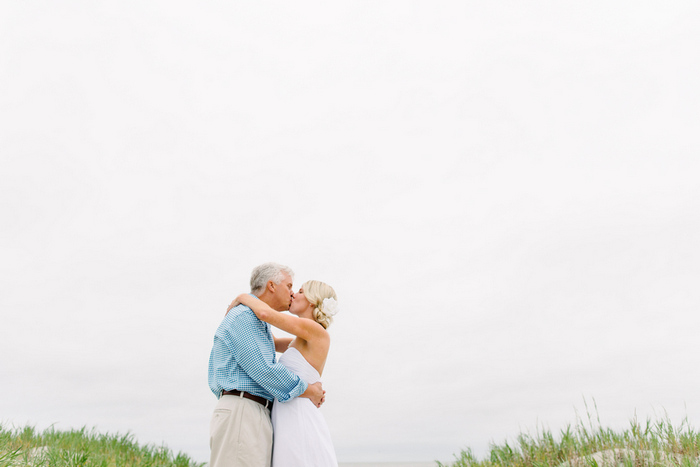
267,298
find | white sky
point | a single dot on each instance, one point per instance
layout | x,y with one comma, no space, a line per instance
504,195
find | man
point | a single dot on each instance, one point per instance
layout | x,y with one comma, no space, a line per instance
245,376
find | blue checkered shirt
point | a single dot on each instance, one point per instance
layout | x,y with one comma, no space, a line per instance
243,358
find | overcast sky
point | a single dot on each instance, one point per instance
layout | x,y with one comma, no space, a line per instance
504,195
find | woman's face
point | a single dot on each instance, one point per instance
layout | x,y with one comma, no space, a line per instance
299,303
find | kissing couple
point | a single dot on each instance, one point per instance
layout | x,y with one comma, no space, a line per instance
261,398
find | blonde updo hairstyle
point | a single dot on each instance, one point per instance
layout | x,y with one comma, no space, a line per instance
315,292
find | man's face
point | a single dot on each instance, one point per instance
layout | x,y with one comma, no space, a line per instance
283,293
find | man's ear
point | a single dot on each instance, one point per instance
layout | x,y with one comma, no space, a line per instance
271,286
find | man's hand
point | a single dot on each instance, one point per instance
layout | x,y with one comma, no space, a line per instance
315,393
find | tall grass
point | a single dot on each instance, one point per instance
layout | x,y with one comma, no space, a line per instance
81,448
652,443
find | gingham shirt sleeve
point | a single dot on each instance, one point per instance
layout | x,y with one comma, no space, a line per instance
255,353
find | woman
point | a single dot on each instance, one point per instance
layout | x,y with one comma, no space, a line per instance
301,436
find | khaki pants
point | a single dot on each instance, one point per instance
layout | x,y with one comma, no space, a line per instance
240,434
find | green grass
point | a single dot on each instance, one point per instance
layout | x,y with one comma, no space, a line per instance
652,443
81,448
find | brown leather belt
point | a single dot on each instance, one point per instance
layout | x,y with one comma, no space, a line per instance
260,400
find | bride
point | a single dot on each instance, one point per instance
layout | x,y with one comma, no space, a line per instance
301,436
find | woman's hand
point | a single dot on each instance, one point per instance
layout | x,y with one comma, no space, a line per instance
233,304
247,300
237,301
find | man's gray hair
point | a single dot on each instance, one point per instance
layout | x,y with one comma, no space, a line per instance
267,272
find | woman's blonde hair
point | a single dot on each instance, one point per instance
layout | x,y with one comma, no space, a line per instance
315,292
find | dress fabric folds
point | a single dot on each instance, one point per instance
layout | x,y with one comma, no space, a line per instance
301,437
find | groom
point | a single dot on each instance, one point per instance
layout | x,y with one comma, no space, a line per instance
245,376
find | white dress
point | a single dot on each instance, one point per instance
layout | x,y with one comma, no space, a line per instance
300,433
